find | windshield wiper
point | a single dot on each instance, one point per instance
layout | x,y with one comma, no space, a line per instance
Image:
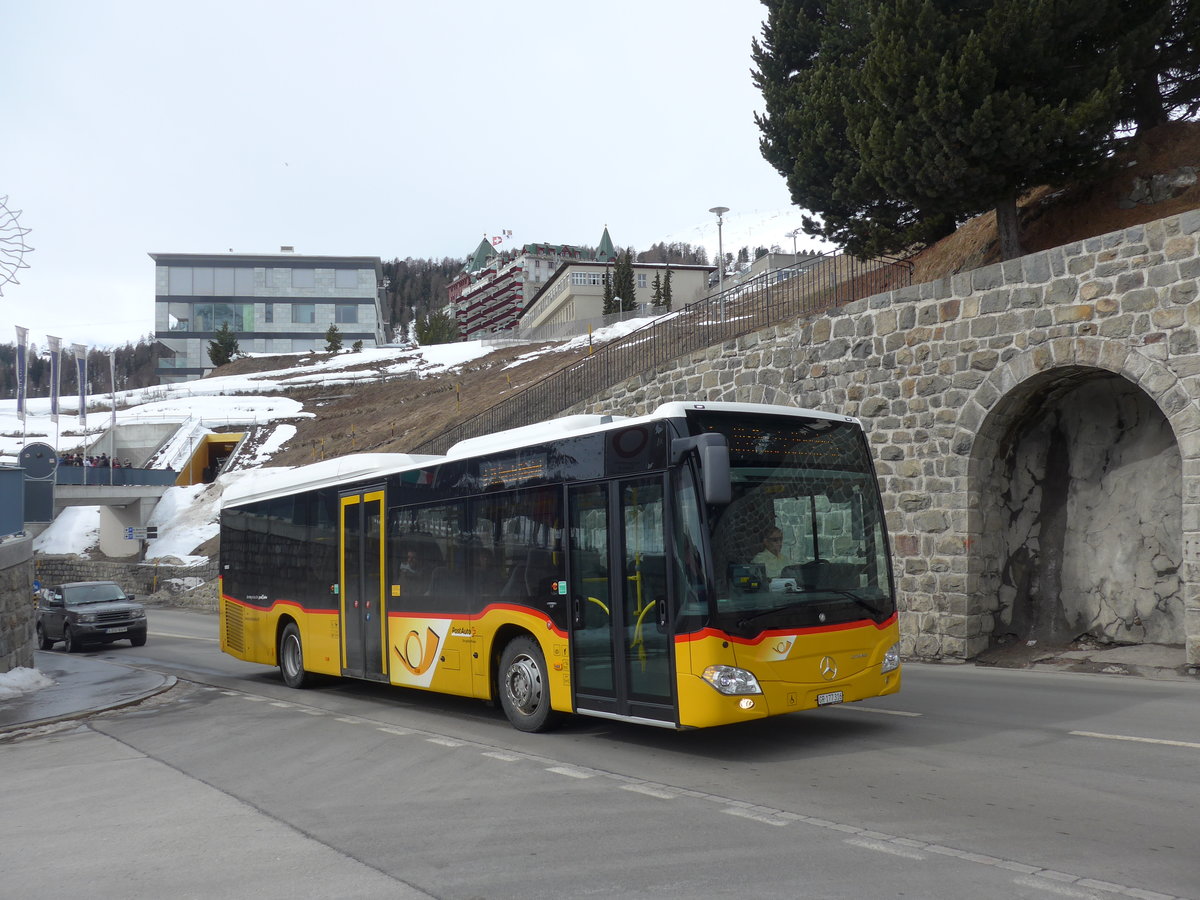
859,601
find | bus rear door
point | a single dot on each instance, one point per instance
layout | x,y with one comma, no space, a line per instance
361,603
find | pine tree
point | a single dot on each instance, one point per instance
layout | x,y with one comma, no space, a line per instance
666,290
963,108
623,283
333,339
805,67
436,328
608,306
657,296
223,348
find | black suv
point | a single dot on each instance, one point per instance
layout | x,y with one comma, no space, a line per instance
88,612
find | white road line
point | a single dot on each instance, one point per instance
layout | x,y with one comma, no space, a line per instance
765,818
567,770
649,791
1051,887
1140,740
185,637
445,742
885,847
503,757
387,729
875,709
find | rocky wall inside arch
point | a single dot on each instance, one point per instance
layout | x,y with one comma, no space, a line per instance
950,376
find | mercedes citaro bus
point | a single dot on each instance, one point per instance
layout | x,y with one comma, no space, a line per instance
594,565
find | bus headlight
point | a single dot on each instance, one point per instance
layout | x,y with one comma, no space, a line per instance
891,659
730,680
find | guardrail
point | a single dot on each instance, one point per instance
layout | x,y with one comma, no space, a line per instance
768,299
104,476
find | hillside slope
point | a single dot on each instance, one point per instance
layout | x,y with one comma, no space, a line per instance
397,415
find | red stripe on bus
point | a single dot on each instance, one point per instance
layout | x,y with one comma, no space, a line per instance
777,632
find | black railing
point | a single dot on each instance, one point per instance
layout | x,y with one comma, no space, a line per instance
768,299
105,476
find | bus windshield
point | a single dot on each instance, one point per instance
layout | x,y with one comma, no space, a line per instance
802,543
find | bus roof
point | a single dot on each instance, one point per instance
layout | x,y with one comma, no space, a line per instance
353,467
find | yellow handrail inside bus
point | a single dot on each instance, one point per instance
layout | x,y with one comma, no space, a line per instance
639,641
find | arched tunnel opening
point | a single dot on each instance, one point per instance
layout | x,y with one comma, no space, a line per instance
1081,538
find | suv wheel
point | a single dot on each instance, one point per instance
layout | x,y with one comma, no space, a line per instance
43,642
70,643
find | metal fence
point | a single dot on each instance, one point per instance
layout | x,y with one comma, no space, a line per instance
103,475
772,298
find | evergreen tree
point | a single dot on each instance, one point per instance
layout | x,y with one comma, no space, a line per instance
666,290
436,328
222,349
1159,41
624,284
805,67
608,306
656,297
357,346
333,339
964,108
895,119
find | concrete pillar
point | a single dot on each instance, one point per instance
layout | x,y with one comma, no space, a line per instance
113,522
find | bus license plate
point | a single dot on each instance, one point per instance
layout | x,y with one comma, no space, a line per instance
116,630
827,699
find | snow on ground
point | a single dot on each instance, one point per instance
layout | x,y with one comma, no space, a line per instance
187,517
227,400
20,681
76,530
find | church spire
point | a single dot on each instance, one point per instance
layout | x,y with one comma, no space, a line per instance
606,252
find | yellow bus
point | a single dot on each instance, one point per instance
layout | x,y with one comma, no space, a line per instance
594,565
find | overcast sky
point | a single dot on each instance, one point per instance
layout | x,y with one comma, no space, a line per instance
361,128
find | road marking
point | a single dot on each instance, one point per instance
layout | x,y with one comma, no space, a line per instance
503,757
875,709
766,818
1140,740
650,791
569,771
445,742
1050,887
388,729
185,637
885,847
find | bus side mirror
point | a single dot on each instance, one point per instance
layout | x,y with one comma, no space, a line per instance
713,452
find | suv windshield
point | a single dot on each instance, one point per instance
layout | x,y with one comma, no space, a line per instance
92,593
803,541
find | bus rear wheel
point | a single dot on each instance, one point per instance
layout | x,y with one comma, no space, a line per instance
524,685
291,657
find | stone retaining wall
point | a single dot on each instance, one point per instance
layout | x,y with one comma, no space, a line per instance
947,377
16,603
140,579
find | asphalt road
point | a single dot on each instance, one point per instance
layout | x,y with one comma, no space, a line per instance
971,782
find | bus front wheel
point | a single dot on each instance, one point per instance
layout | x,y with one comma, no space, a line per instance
291,657
525,686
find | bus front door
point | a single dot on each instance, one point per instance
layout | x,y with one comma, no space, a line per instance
361,603
620,642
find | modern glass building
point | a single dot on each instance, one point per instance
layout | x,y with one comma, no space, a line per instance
281,303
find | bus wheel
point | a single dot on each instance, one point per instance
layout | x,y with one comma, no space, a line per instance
291,657
525,686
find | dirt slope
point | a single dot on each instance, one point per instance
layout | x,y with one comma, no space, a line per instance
399,414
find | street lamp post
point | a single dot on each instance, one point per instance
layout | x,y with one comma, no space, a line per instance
793,234
720,211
